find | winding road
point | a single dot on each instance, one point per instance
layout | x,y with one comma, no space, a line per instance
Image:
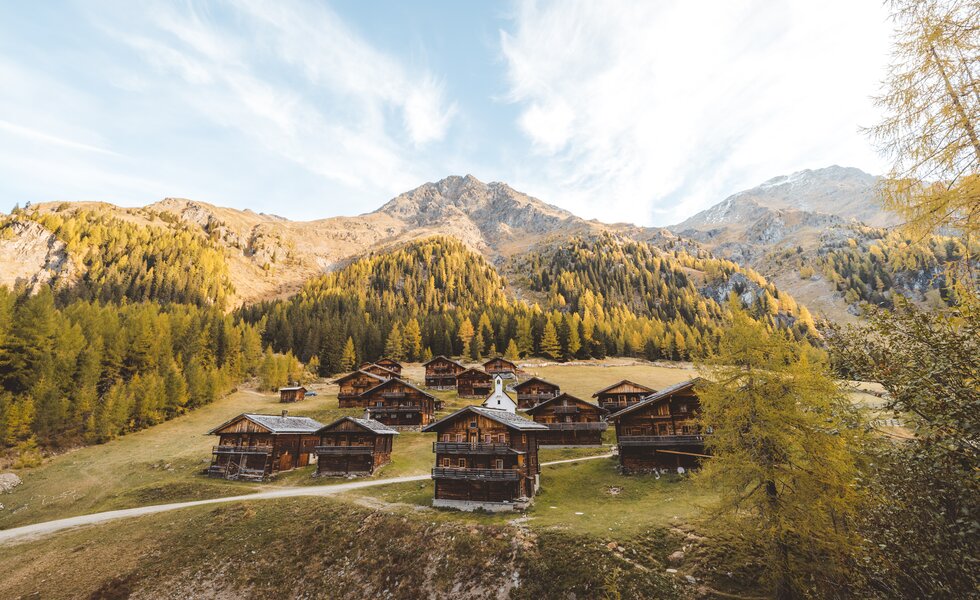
30,532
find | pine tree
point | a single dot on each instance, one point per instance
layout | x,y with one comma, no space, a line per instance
465,334
348,359
394,346
476,346
512,353
412,340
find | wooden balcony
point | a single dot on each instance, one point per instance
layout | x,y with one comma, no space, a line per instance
566,410
660,440
393,394
472,448
242,450
591,426
344,450
476,474
394,409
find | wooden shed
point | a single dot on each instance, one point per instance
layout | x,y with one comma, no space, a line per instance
473,383
253,446
661,432
399,404
534,390
485,459
441,372
621,394
571,421
292,393
352,446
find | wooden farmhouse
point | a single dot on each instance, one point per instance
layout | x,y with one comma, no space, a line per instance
473,383
292,393
570,420
353,385
534,390
379,370
620,395
500,366
441,372
399,404
252,446
660,432
485,459
351,446
390,364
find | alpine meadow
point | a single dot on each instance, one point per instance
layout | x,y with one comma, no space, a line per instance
726,344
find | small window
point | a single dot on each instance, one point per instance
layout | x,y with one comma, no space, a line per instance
460,437
461,463
472,424
446,462
682,408
447,437
498,464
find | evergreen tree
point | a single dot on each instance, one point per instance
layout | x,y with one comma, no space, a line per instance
412,340
349,358
512,353
549,341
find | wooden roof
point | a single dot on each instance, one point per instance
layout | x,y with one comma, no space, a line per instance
624,382
369,425
441,357
275,424
292,388
570,397
657,397
500,359
396,380
355,374
532,380
507,419
475,371
388,361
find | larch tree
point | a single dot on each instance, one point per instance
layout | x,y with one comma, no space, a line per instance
783,442
931,128
348,359
550,345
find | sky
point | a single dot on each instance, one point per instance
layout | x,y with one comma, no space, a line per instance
643,112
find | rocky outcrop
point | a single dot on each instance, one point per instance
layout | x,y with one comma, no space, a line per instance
31,255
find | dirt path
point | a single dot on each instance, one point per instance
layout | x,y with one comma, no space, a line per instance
30,532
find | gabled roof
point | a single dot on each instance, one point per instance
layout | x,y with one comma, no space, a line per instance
368,424
477,371
653,398
376,366
355,374
394,380
503,417
533,379
563,397
276,424
292,388
618,383
500,358
390,361
441,357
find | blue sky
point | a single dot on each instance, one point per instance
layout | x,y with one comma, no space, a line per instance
623,111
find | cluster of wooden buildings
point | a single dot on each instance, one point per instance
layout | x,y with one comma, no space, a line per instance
486,456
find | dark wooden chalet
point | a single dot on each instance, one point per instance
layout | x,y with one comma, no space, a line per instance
353,385
534,390
571,421
441,372
620,395
292,393
500,366
399,404
485,458
660,432
379,370
351,446
254,446
474,383
390,364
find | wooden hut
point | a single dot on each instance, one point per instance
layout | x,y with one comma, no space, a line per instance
252,446
571,421
660,432
352,446
534,390
390,364
500,366
473,383
622,394
485,459
399,404
379,370
441,372
353,385
292,393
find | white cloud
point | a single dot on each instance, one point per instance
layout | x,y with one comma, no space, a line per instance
649,111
